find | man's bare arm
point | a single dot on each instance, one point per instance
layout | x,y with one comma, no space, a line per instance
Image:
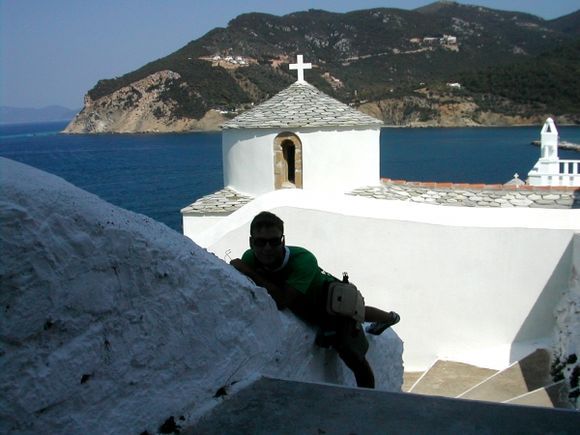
284,297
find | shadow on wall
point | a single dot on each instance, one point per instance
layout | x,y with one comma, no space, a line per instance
540,321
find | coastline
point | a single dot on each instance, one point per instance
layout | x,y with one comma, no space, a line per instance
565,145
390,126
128,133
216,127
474,126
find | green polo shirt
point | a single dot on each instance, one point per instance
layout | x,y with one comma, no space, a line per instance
301,272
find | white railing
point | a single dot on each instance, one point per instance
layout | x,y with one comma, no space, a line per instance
570,167
565,173
569,173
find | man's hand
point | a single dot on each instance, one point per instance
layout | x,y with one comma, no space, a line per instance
276,292
242,267
247,270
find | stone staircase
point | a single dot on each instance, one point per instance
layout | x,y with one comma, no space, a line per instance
272,406
525,382
269,405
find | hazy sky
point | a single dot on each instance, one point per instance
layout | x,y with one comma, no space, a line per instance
54,51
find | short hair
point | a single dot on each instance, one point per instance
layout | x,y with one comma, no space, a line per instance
266,219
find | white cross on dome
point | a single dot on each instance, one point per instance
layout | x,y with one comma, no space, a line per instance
300,66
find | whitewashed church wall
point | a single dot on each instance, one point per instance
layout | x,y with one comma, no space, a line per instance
471,284
339,161
248,160
333,161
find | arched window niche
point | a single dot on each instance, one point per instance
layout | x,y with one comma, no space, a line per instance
287,161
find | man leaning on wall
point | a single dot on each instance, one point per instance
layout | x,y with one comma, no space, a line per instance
294,280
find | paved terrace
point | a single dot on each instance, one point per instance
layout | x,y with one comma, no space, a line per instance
226,201
221,203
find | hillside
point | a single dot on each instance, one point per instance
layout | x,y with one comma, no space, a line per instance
359,57
550,81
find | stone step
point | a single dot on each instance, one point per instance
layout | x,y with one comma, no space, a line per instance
552,396
271,406
450,378
528,374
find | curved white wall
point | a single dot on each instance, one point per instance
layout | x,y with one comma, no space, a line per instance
248,160
333,160
475,285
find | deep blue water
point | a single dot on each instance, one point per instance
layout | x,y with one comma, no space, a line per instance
157,175
470,155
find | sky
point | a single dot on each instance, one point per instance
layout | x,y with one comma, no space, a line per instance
53,52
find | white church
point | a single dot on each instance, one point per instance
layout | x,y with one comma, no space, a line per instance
476,285
299,139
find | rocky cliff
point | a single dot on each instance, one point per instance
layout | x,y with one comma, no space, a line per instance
140,107
455,111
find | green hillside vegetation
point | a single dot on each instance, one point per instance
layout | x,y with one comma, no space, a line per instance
550,81
568,24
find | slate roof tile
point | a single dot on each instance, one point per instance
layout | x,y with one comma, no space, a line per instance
301,105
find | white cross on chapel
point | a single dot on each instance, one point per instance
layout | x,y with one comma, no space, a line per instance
300,66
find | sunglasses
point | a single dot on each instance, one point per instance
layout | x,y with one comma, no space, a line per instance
260,242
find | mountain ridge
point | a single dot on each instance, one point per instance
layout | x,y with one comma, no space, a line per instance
358,57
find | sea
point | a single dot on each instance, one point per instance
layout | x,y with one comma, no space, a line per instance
159,174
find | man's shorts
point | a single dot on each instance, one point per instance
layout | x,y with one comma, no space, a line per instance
351,338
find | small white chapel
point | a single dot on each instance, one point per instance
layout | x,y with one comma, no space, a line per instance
299,139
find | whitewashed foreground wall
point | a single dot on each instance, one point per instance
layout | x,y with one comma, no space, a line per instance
113,323
472,284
